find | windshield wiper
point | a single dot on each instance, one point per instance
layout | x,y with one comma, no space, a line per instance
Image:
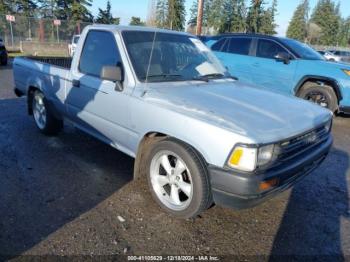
207,77
163,76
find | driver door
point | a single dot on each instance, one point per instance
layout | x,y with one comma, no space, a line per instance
92,103
270,73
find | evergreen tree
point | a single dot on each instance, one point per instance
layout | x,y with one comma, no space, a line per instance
176,15
193,14
238,21
255,16
80,12
136,21
208,4
215,18
227,15
268,24
344,35
5,6
297,28
106,17
161,13
326,17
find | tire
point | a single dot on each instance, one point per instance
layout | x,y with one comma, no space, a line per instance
183,190
321,95
4,62
43,116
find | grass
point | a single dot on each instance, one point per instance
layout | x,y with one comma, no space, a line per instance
17,54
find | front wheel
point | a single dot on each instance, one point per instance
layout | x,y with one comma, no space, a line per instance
323,95
178,179
43,115
4,61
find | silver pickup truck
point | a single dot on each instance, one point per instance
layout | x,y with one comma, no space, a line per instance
197,134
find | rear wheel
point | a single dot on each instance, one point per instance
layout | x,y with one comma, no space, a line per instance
43,116
178,179
323,95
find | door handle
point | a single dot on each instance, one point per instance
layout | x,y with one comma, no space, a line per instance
76,83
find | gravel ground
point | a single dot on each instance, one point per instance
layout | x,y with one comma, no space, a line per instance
63,195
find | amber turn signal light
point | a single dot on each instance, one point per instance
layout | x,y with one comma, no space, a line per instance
268,184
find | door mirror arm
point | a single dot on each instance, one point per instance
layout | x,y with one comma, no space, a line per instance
114,74
283,57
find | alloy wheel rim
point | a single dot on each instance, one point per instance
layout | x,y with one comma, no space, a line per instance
318,98
171,180
39,111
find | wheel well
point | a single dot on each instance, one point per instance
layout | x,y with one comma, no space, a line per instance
321,82
30,94
150,138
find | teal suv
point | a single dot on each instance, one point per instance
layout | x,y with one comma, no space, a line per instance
286,66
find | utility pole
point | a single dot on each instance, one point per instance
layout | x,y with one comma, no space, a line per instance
200,17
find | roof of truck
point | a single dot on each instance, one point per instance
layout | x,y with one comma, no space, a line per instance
119,28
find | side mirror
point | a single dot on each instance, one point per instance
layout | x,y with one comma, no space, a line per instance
283,57
114,74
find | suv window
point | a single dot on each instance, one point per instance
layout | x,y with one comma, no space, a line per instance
268,49
99,50
239,45
220,46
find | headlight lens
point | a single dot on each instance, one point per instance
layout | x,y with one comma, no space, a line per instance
328,126
247,159
346,72
265,154
243,158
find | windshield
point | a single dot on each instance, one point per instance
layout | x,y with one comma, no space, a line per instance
303,50
160,57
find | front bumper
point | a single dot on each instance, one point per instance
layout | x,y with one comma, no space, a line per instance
239,190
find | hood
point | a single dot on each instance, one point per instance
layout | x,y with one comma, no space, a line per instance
259,115
334,65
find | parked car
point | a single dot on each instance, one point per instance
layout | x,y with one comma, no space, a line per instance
73,45
162,97
330,56
3,53
344,56
286,66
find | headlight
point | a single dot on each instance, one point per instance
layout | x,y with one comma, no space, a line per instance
247,158
328,126
265,154
346,72
243,158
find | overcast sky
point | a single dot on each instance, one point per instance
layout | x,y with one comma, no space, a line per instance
125,9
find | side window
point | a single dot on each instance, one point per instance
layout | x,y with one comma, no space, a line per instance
100,49
220,46
239,46
268,49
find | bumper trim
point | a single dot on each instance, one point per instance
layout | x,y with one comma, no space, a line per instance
240,191
344,109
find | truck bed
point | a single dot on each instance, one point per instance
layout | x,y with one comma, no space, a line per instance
64,62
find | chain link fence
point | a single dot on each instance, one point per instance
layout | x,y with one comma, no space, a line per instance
35,32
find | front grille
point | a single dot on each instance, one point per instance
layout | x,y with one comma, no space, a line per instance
294,147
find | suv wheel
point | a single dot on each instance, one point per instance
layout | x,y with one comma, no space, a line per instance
43,117
178,179
322,95
4,61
